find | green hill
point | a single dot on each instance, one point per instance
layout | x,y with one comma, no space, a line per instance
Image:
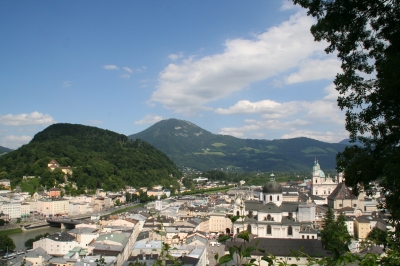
191,146
98,158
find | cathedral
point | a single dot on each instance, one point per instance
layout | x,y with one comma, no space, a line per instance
270,217
322,185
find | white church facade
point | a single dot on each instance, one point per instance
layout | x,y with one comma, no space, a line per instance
322,185
270,217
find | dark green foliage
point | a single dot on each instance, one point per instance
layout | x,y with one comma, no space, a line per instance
378,236
215,175
334,235
29,242
99,159
366,36
191,146
6,243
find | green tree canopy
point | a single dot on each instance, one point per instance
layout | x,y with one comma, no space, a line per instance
334,235
6,243
366,36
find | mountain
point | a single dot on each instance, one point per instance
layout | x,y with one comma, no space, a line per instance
348,143
4,150
191,146
98,158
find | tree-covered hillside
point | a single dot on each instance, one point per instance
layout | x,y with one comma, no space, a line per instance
98,158
191,146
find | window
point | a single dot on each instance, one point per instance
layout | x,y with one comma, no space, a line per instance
269,230
268,217
290,231
249,228
270,198
277,198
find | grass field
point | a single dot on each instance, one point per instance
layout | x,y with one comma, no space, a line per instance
10,231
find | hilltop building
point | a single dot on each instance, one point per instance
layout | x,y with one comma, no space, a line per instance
53,164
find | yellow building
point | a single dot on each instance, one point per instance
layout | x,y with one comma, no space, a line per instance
362,227
219,223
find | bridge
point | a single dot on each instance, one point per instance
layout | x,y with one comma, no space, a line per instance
64,223
57,222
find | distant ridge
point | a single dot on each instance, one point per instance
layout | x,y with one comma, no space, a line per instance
4,150
188,145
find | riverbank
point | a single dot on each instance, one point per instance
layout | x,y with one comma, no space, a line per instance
10,231
140,205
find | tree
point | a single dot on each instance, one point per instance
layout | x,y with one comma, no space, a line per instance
334,235
366,36
6,243
378,236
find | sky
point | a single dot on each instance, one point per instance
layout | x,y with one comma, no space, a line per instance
250,69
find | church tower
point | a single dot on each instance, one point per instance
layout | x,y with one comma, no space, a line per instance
272,192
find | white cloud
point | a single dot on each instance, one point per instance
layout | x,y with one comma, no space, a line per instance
34,118
246,106
328,136
175,57
128,69
67,84
315,69
288,5
125,76
149,119
13,141
110,67
191,84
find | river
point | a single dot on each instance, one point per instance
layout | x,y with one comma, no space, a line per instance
20,238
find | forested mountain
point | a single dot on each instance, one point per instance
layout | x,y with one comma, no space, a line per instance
4,150
191,146
98,158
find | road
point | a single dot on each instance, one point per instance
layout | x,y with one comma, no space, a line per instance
212,250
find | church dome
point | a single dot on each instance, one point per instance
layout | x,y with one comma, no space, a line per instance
272,187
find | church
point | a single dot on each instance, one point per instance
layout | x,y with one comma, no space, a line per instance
270,217
322,185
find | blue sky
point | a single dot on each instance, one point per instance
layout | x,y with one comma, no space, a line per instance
249,69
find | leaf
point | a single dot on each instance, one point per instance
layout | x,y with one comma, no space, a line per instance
216,256
226,258
224,238
232,251
234,218
244,235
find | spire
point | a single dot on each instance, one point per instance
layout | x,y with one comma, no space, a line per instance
272,176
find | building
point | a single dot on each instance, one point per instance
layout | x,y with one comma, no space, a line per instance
54,192
58,244
5,183
270,217
52,206
53,164
219,223
11,209
322,186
